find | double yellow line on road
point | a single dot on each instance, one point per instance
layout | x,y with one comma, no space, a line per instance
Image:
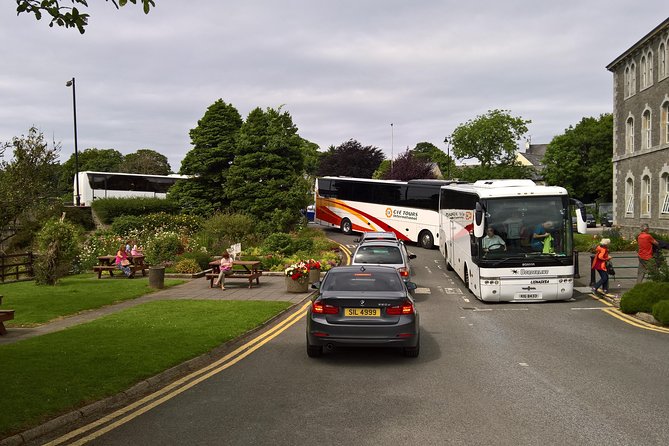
127,413
615,312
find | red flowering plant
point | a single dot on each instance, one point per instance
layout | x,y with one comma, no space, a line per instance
313,264
298,271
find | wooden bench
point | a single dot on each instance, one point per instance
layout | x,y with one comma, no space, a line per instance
111,268
236,275
5,315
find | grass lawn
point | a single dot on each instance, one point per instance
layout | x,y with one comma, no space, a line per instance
36,305
54,373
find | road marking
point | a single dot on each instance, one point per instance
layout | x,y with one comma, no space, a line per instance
523,364
428,269
590,308
180,386
422,291
347,253
615,312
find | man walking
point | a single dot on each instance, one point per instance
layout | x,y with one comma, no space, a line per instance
645,243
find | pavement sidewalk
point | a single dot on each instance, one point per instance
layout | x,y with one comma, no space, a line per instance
271,288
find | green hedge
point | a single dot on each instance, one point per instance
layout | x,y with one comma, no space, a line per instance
107,209
643,296
661,311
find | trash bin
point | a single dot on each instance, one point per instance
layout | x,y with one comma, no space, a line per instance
311,212
157,276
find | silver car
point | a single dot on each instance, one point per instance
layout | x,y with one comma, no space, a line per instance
384,252
363,306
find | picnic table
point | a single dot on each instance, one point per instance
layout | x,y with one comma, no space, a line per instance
247,269
5,315
107,263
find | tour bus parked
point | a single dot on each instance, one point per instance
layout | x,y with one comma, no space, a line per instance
509,240
93,185
407,208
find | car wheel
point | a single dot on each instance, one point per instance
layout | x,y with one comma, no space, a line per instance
314,351
346,226
412,352
426,239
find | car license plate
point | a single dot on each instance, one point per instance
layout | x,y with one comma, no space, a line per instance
528,295
362,312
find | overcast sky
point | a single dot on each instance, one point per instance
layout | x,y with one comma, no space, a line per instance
343,69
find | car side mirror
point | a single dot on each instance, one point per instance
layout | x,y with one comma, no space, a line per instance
412,256
411,286
316,285
356,240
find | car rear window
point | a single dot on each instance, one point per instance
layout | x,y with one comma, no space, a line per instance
363,281
378,255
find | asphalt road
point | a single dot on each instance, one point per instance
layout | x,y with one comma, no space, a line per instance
521,374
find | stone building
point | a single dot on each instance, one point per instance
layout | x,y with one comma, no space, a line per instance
641,133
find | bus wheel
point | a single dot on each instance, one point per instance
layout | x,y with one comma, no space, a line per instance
449,267
426,240
346,226
466,278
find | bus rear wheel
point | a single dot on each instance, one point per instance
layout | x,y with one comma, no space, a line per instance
426,240
346,226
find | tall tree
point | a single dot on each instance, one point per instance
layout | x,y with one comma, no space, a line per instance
580,159
147,162
491,138
267,179
96,160
351,159
214,144
28,181
429,152
409,167
68,16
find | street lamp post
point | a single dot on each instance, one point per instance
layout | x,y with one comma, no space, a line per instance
448,149
76,149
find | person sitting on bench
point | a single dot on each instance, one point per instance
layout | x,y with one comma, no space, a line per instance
225,269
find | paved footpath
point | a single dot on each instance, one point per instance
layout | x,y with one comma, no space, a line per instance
271,288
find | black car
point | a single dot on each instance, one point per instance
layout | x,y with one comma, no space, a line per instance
590,221
606,220
363,305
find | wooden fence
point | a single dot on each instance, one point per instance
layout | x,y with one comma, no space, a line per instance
16,266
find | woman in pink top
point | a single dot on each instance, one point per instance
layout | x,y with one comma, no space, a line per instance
225,270
123,263
599,265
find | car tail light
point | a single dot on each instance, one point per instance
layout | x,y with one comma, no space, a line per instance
404,272
398,310
319,307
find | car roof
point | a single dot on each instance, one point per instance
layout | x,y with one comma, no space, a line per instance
382,242
379,235
351,269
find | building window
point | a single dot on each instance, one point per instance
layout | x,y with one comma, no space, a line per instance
632,79
629,197
662,61
643,71
664,122
646,129
645,196
629,135
664,194
649,69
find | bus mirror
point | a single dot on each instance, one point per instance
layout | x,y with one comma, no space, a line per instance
581,226
479,221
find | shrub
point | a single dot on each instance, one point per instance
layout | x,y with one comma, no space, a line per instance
661,311
222,230
187,266
125,224
56,245
201,258
280,243
643,296
107,209
163,248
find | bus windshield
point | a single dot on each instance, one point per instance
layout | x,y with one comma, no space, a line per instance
526,227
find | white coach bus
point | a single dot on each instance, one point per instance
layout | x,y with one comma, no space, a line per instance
94,185
407,208
510,240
